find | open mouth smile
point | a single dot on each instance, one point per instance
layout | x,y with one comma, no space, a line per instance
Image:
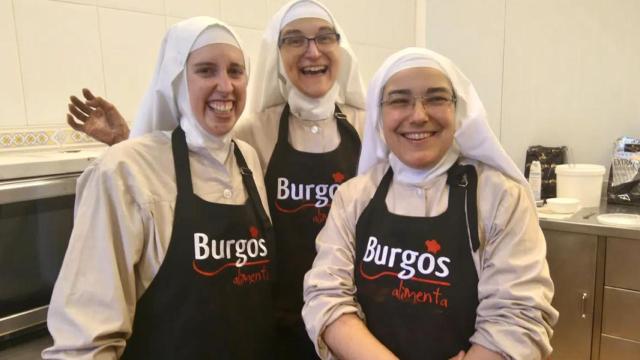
314,70
221,106
418,136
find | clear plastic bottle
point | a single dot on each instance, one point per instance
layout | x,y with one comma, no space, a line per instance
535,179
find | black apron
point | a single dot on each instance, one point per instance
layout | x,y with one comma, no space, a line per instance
201,304
415,276
300,187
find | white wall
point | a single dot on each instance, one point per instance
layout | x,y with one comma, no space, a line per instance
50,49
479,25
550,72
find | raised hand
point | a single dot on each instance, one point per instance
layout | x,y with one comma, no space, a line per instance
97,118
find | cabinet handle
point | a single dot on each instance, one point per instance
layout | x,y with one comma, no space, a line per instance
583,305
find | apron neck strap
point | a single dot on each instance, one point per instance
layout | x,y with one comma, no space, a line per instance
283,128
181,161
250,185
465,177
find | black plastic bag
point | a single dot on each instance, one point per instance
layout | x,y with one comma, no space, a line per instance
549,157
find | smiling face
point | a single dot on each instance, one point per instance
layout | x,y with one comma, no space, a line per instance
419,136
217,83
313,69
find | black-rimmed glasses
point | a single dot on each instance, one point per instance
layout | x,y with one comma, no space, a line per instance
432,103
323,41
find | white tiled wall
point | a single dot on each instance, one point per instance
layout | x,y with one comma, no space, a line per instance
58,48
379,23
573,81
130,44
471,34
86,2
550,72
146,6
51,49
245,13
189,8
274,5
370,58
12,110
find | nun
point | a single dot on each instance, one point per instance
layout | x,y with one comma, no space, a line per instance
434,250
172,253
307,116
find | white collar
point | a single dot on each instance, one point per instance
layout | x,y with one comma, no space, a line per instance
313,109
199,140
421,177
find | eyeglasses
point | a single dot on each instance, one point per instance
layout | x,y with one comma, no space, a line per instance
433,104
323,41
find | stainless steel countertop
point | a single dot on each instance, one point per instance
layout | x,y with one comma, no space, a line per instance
585,221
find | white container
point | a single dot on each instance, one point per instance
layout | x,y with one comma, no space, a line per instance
535,179
563,205
580,181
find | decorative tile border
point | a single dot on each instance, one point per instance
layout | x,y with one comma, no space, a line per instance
42,138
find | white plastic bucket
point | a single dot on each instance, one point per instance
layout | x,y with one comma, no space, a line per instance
580,181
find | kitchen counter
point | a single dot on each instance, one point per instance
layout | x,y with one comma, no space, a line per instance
25,164
585,221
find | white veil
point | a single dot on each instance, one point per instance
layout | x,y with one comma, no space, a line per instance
159,109
269,87
473,137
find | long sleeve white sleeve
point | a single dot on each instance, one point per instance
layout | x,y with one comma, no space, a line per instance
93,302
